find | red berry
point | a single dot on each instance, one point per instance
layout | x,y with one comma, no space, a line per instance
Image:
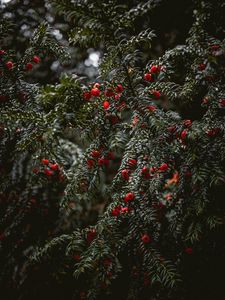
109,92
106,104
222,102
29,66
188,250
76,257
91,235
36,59
213,132
184,134
119,88
125,174
129,197
156,94
187,123
9,65
124,209
148,77
54,167
215,47
97,85
144,170
2,52
95,154
87,95
48,172
116,211
154,69
201,67
95,92
116,97
45,161
151,108
132,162
164,167
146,238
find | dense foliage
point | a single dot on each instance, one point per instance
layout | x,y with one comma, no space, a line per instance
142,147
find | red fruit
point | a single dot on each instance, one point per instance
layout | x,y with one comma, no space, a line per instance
172,128
45,161
87,95
188,250
76,257
201,67
146,238
91,235
36,59
151,108
129,197
164,167
156,94
35,170
119,88
48,172
154,69
54,167
125,174
95,92
148,77
95,154
90,163
187,123
9,65
117,97
144,170
103,161
184,134
116,211
106,104
2,52
29,66
213,132
153,169
132,162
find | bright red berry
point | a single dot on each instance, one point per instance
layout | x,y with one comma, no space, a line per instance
201,67
48,172
132,162
151,108
54,167
187,123
9,65
146,239
156,94
90,163
164,167
95,92
129,197
91,235
125,174
184,134
36,59
45,161
144,170
106,104
154,69
148,77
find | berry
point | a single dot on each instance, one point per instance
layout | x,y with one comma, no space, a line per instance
97,85
125,174
48,172
188,250
156,94
45,161
76,257
116,211
151,108
146,239
106,104
95,154
54,167
91,235
187,123
87,95
215,47
124,209
2,52
36,59
29,66
154,69
213,132
119,88
148,77
222,102
201,67
95,92
144,170
184,134
129,197
164,167
132,162
109,92
90,163
9,65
